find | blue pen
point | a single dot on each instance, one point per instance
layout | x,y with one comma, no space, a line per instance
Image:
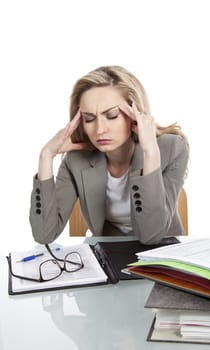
34,256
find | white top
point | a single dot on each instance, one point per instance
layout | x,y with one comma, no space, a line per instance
118,202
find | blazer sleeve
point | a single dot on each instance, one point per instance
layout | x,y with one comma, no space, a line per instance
154,196
51,205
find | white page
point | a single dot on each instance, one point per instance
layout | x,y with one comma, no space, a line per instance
195,332
201,318
196,252
90,273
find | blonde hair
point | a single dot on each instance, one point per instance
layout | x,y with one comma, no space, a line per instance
129,86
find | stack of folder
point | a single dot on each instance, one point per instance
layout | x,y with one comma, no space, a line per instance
182,313
184,266
178,316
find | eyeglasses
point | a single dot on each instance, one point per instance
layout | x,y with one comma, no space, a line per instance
51,269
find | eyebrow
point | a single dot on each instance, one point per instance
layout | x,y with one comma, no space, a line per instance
104,112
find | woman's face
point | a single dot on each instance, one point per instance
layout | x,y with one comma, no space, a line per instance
105,125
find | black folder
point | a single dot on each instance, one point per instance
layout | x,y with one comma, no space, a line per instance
115,256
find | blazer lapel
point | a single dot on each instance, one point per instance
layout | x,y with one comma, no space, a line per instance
94,180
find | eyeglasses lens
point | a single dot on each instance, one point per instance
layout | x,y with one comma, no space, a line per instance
73,262
50,269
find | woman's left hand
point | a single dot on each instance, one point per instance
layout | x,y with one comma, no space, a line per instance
144,126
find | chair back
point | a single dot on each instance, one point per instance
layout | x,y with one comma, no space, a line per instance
77,223
183,210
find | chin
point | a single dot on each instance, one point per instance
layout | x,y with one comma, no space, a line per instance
106,148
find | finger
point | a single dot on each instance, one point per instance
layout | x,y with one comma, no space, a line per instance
75,121
135,110
140,116
73,124
73,147
76,118
126,109
66,129
79,146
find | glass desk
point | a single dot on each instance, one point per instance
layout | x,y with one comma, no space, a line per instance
88,318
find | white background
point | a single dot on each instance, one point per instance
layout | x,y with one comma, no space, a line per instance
47,45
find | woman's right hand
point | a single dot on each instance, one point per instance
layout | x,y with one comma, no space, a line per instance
61,142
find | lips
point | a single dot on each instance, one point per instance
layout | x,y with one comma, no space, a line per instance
103,141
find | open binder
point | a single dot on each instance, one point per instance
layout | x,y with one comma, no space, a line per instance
103,264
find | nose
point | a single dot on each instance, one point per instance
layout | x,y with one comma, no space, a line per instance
101,126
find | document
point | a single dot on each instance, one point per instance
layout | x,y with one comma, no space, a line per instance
184,265
179,316
91,273
179,326
195,253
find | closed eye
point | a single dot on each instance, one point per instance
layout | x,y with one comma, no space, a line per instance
88,118
113,117
113,114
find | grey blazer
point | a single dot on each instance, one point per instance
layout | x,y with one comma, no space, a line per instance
83,174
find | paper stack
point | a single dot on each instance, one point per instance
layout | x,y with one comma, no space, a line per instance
179,316
184,266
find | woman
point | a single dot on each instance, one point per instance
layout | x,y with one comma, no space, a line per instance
126,170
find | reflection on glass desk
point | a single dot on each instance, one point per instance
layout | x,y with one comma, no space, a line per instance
88,318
